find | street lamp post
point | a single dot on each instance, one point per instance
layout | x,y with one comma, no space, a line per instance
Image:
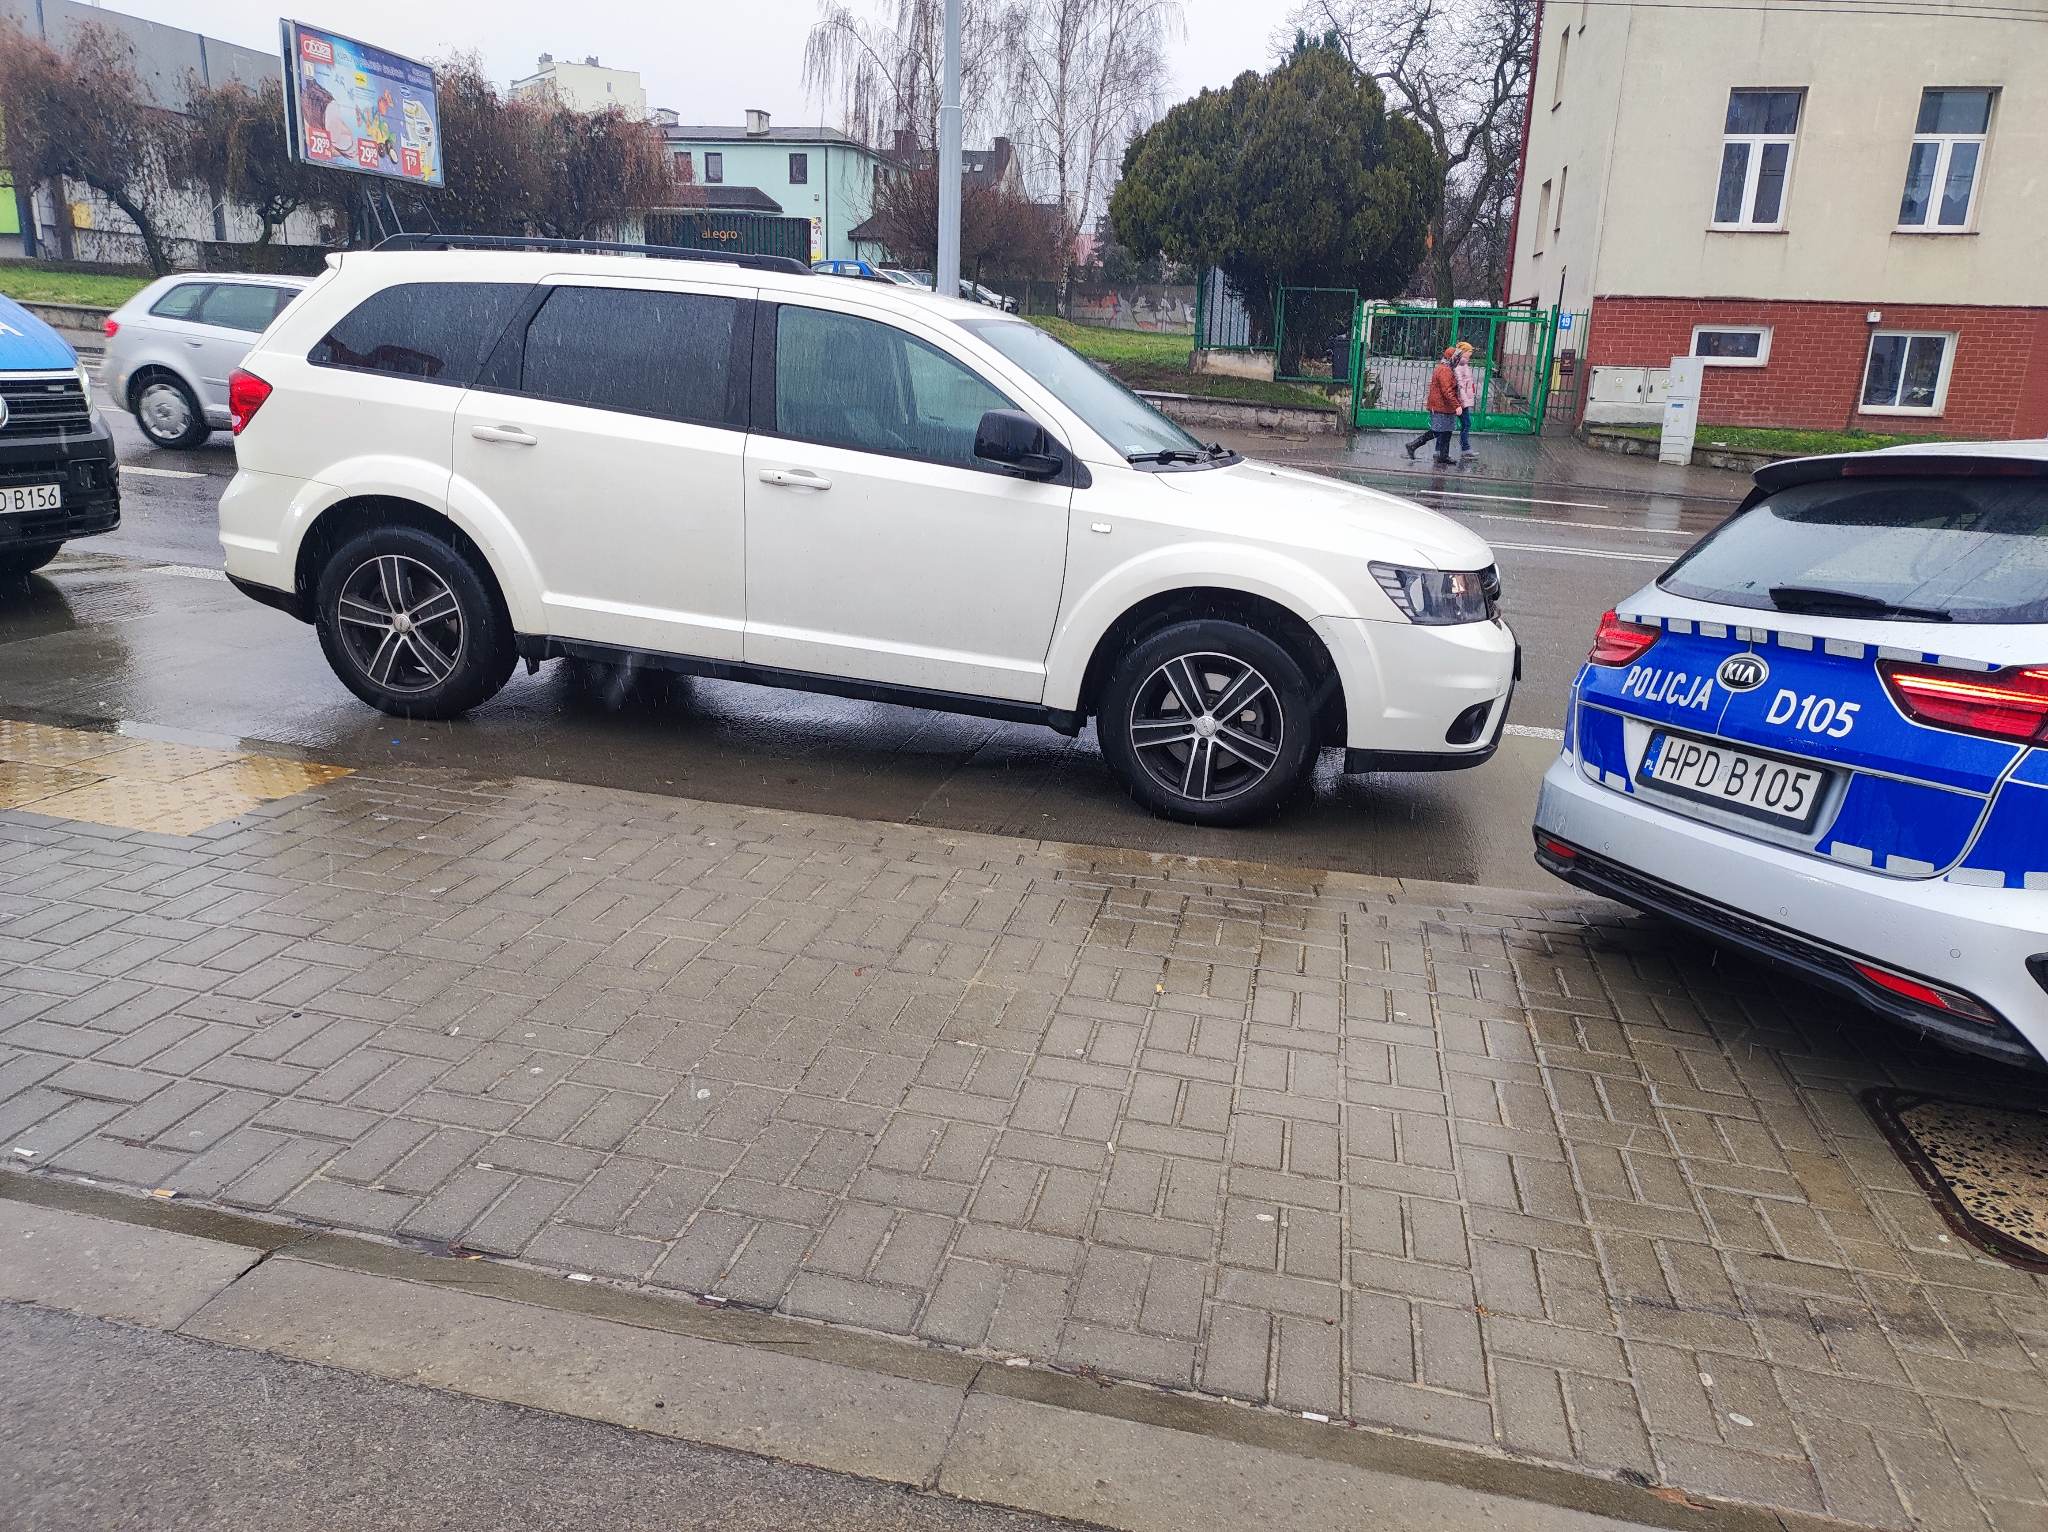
947,277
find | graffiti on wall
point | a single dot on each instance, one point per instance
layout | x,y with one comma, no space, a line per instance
1161,310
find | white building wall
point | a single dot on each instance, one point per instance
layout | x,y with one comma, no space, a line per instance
588,87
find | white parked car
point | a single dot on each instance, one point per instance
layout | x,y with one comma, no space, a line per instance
1822,736
172,347
453,459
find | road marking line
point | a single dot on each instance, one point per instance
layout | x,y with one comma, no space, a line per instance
1531,731
1583,526
161,473
1461,494
1584,553
192,572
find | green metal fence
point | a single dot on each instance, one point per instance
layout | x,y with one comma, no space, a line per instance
1227,320
1399,346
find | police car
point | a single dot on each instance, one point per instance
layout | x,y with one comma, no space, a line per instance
1822,736
58,476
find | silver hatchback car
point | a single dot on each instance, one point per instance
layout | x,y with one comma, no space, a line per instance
172,347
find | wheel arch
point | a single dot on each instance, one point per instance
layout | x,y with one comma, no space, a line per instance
146,371
1284,626
344,519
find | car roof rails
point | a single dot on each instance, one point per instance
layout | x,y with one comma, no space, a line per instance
591,247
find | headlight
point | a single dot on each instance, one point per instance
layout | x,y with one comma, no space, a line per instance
1438,597
85,384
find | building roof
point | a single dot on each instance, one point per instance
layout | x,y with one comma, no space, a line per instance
978,167
697,133
746,199
868,229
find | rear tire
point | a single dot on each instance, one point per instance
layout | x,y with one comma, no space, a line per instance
411,625
1209,722
168,414
26,559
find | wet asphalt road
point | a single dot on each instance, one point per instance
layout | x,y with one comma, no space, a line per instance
138,627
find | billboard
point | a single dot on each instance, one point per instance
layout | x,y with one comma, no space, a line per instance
349,106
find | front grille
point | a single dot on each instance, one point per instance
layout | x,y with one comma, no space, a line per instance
43,406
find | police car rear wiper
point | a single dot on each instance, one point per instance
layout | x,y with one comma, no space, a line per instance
1820,601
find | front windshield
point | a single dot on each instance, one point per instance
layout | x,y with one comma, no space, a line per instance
1117,415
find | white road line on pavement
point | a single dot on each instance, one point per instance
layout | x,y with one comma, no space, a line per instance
161,473
1460,494
1583,526
1584,553
192,572
1530,731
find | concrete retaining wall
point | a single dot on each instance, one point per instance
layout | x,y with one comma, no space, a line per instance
1243,415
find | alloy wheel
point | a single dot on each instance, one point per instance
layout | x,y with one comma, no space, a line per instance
400,623
165,412
1207,726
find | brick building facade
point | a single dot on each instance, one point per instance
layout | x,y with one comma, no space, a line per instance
1997,383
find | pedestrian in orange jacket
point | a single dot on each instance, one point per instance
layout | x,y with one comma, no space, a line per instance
1443,406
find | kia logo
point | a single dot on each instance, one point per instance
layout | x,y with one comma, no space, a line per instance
1743,672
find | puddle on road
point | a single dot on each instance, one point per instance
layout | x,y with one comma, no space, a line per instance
141,784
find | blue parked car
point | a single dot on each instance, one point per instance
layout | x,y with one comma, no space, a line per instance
850,268
1822,736
58,475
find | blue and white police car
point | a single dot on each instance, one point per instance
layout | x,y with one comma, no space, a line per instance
58,475
1822,736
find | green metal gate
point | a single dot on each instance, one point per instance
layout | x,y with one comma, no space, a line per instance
1399,346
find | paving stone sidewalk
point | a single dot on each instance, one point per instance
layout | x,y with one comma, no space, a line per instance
1521,1173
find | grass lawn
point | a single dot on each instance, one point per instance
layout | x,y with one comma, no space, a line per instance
34,284
1784,443
1138,359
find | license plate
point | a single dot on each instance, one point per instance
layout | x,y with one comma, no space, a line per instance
1761,786
31,497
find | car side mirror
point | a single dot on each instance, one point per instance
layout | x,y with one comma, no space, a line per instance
1015,441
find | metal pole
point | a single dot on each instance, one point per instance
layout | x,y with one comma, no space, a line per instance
947,278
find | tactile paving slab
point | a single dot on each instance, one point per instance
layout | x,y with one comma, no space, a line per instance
1985,1166
141,784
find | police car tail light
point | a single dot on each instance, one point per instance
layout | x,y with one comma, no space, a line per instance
1934,996
2004,704
1619,641
246,393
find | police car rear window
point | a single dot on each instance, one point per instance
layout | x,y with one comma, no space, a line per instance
1942,549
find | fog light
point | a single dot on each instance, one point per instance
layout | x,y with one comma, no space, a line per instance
1551,846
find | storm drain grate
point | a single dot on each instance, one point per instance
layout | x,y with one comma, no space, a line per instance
1985,1166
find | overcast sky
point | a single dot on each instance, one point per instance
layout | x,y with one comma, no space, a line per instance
709,59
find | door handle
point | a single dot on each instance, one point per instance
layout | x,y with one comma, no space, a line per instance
511,434
795,478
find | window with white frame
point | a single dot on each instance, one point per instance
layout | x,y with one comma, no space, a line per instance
1943,168
1756,158
1732,345
1907,372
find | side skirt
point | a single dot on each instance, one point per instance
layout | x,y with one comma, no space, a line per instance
534,649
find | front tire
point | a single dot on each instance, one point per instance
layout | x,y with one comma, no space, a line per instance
26,559
410,625
168,414
1209,722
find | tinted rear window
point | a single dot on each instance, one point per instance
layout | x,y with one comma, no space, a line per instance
640,352
1973,549
181,302
242,306
437,332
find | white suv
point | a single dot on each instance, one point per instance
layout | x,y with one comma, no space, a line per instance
454,459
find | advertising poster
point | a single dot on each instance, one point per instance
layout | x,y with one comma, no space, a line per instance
355,107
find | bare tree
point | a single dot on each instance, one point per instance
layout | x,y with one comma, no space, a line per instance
1088,74
233,144
885,71
79,115
1460,69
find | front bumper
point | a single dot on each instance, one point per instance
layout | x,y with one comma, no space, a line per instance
84,463
1420,698
1813,917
